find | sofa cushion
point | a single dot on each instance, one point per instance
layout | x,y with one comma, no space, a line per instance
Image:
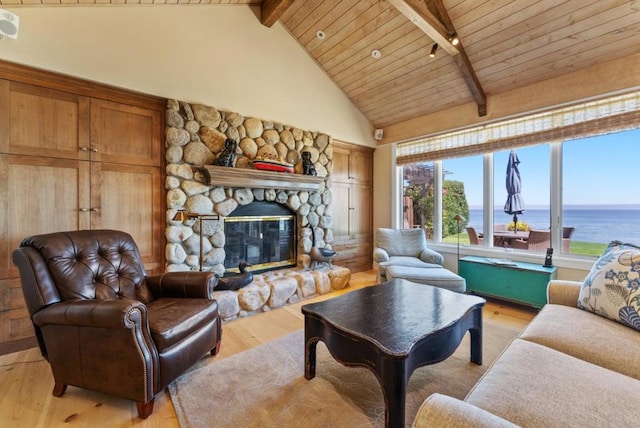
405,261
451,412
532,385
612,288
583,335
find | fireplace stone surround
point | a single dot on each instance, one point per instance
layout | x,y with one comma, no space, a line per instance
195,136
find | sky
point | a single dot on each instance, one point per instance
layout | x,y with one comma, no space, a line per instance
600,170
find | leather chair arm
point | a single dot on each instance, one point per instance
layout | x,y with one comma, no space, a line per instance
183,284
109,313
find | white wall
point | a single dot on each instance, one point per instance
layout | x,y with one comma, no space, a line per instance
216,55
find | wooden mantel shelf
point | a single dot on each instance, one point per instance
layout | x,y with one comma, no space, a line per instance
244,177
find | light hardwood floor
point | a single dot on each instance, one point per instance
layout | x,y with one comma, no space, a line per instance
26,381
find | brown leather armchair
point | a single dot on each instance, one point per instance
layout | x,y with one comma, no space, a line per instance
103,324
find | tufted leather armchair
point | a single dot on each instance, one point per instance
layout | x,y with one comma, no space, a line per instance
104,325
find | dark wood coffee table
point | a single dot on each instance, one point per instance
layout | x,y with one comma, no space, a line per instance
392,329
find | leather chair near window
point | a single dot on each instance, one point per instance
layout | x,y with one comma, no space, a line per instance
104,325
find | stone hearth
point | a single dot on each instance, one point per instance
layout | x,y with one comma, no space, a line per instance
279,288
195,137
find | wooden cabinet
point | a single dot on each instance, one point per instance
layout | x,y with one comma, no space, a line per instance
352,205
74,155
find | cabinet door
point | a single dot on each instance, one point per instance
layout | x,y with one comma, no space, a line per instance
360,212
125,134
341,212
341,169
43,122
40,195
129,198
361,167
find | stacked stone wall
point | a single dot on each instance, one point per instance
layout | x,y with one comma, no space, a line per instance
195,136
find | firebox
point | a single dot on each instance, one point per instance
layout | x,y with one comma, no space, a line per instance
263,234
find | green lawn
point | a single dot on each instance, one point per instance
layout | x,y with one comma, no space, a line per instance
577,247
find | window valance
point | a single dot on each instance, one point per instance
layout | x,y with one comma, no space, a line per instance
613,114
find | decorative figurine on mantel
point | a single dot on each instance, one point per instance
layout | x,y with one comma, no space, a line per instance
228,155
307,165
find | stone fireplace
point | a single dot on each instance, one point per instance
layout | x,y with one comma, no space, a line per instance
195,136
262,234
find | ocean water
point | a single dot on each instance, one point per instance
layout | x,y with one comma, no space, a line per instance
600,225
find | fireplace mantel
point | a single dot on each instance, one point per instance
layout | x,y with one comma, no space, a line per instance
244,177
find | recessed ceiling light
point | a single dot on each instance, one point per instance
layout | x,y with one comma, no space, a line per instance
320,34
376,53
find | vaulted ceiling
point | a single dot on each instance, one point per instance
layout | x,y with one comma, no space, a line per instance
377,51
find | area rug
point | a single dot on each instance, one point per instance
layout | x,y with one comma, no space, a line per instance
265,386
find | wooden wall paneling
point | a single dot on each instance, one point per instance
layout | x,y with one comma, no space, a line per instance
14,317
125,134
44,122
61,82
130,199
341,211
352,180
40,195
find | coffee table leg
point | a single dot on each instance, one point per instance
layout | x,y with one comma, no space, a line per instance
395,391
476,338
310,358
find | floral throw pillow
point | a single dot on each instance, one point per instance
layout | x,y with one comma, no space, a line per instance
612,288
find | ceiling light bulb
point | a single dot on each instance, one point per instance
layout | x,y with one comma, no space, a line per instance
320,34
454,39
434,49
376,53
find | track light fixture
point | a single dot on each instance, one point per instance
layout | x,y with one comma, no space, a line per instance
454,39
434,49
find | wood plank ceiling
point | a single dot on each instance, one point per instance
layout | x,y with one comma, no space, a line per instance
505,44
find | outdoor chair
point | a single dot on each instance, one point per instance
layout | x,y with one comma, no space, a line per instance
104,325
567,232
474,239
539,240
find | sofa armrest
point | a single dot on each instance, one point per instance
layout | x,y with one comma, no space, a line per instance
562,292
183,284
111,314
380,255
441,410
430,256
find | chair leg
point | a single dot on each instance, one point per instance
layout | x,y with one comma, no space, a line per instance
215,350
59,389
145,409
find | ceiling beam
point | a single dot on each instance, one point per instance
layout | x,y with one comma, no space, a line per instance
427,22
272,10
436,7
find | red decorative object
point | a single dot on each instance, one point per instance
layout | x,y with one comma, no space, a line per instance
272,165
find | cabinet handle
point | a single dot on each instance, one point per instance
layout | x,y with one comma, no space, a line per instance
84,149
84,210
95,210
94,150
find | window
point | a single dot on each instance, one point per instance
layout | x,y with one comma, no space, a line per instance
576,166
599,199
462,194
417,200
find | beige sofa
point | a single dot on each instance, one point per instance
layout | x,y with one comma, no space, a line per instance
568,368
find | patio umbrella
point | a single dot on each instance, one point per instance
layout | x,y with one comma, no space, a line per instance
515,203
